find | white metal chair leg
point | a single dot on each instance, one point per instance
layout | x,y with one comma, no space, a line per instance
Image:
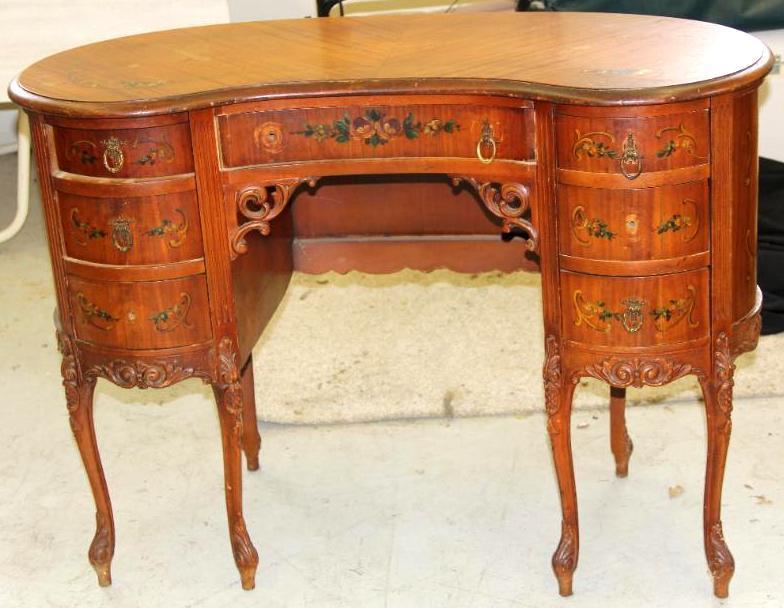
23,180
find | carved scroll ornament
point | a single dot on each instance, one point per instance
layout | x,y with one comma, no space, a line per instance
638,371
142,374
259,205
229,382
723,372
551,373
509,202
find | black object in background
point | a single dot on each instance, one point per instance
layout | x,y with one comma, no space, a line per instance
770,260
745,15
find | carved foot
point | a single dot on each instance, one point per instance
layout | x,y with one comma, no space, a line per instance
720,560
253,462
565,558
102,550
245,555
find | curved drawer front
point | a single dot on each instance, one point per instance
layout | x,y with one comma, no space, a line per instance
145,152
131,230
146,314
632,225
635,311
632,146
368,130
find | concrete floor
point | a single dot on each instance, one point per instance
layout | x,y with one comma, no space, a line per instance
453,512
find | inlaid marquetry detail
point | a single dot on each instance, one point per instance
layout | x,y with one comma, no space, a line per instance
175,315
173,232
84,231
678,138
509,202
92,314
86,152
593,145
599,316
584,228
688,225
375,128
675,311
153,152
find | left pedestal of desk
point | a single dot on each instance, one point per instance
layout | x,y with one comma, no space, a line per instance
124,232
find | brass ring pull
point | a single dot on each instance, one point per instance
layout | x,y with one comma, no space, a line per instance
630,157
113,157
486,142
486,139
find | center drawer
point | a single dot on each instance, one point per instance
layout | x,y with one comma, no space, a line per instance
635,311
368,128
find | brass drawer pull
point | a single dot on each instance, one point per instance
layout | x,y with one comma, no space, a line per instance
122,233
630,160
113,157
486,140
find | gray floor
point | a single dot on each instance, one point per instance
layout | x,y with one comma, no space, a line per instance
459,512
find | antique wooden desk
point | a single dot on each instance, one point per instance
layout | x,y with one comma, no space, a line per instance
621,148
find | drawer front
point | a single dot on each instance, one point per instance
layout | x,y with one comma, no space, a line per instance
139,230
635,311
632,146
376,131
147,152
146,314
632,225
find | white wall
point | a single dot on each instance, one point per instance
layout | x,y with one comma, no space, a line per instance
256,10
239,10
771,117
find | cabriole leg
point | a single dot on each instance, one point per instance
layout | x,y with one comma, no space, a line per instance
620,442
229,401
251,439
718,407
558,400
79,399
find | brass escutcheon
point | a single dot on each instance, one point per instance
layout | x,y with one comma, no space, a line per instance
630,160
122,233
113,157
486,139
